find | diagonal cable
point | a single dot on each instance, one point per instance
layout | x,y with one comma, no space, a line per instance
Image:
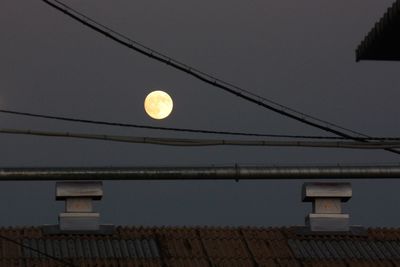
141,126
235,90
202,131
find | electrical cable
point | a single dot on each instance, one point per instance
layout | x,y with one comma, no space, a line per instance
140,126
209,79
64,262
152,51
202,131
208,142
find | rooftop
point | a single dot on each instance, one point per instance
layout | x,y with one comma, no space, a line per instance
200,246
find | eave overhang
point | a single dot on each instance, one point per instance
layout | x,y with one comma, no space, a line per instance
383,41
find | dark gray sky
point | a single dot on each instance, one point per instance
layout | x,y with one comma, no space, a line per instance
300,54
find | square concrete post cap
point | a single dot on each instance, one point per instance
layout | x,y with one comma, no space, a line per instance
93,190
311,191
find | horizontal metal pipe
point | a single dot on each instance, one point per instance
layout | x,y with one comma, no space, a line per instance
200,173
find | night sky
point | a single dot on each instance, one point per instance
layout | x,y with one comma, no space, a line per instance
298,53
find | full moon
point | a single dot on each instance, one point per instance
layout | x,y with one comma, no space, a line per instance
158,105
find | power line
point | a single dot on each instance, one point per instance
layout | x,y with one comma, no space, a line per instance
209,79
192,69
140,126
202,131
186,142
64,262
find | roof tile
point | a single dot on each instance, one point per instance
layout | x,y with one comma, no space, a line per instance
201,247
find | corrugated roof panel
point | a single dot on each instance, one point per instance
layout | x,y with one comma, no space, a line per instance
388,245
26,252
146,249
344,249
41,247
369,247
316,249
154,248
139,249
86,249
351,248
182,248
298,249
100,247
109,249
49,247
322,245
259,248
71,248
63,247
382,251
57,249
79,249
235,247
116,245
124,249
131,249
280,249
94,249
335,250
310,251
226,248
364,254
33,244
341,250
393,249
379,249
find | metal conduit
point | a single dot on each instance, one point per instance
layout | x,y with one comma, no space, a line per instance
200,173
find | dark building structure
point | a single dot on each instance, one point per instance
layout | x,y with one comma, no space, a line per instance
201,247
383,41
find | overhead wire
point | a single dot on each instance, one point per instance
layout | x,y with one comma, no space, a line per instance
152,51
141,126
201,131
209,79
192,142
